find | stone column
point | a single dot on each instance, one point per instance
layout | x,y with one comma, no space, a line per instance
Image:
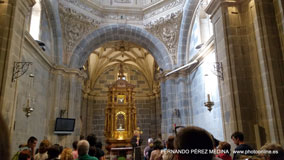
272,67
168,102
247,44
182,114
279,14
14,15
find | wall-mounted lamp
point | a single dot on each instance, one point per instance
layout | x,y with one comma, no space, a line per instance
20,68
209,103
28,109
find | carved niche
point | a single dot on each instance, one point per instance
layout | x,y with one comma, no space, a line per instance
167,30
75,26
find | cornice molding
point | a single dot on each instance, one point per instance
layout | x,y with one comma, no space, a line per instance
59,69
213,6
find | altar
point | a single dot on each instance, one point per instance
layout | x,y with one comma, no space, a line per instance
120,114
126,152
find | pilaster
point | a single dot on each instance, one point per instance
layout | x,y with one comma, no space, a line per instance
13,17
238,110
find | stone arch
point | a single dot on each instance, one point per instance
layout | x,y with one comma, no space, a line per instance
121,32
186,25
53,12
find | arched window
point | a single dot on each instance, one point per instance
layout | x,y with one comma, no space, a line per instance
206,29
35,20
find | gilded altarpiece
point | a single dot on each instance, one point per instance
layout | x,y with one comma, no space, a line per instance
120,113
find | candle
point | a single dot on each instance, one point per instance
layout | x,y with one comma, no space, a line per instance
208,96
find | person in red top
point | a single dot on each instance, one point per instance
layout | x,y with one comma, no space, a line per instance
225,150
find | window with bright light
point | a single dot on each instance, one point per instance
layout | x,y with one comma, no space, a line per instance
35,20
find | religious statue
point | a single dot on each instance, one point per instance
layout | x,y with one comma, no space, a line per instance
136,142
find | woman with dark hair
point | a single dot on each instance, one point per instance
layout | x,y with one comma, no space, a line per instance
167,154
156,154
225,149
53,152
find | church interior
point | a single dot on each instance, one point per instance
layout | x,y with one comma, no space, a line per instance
112,66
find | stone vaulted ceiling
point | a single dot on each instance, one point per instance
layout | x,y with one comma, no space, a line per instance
116,52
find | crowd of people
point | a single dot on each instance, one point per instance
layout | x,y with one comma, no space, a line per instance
190,143
194,143
85,149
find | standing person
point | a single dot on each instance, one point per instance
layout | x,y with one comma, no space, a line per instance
194,138
136,142
242,148
226,148
83,149
53,152
100,153
167,154
277,152
42,152
31,144
32,141
66,154
148,148
75,152
156,154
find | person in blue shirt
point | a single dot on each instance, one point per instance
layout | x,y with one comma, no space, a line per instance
242,148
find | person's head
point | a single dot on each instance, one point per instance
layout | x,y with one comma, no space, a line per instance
92,151
4,140
66,154
237,137
83,147
32,141
136,133
273,148
53,151
74,144
224,146
25,155
99,145
92,139
150,141
43,146
194,138
157,144
170,142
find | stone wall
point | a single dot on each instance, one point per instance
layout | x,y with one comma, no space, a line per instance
183,100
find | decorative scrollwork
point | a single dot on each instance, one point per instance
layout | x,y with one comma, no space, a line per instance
20,68
167,30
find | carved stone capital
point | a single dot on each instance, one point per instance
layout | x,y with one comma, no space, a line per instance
167,30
